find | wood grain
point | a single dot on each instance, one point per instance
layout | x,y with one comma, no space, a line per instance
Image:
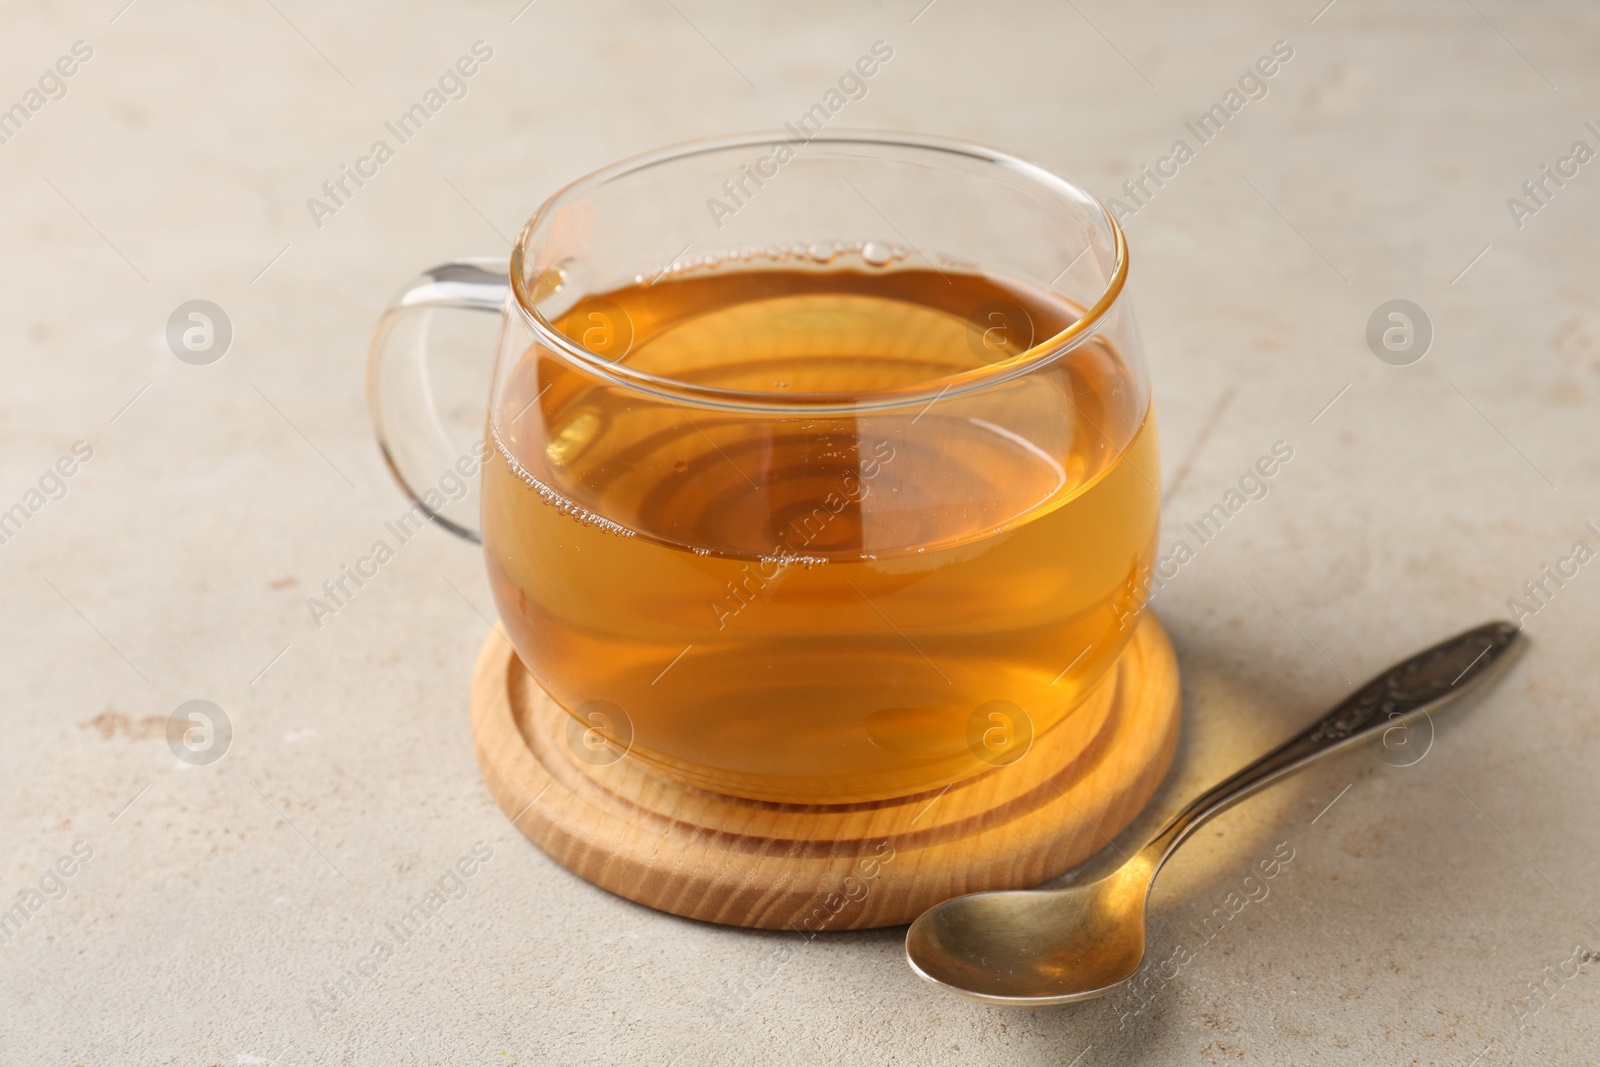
828,867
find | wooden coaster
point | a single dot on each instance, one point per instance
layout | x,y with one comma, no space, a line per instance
828,867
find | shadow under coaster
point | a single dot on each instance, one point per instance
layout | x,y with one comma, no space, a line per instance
752,863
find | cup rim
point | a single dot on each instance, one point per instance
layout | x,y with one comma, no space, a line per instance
674,390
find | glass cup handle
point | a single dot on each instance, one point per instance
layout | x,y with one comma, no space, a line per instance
400,392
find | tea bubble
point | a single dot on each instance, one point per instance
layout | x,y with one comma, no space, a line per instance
822,251
876,253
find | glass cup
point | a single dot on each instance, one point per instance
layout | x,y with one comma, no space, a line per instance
758,546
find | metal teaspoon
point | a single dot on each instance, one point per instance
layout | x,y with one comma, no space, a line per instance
1025,948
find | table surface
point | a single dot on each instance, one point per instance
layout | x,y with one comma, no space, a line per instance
1439,898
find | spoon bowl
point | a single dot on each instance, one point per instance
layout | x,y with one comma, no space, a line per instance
1025,948
1028,948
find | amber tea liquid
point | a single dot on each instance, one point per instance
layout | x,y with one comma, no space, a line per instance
820,607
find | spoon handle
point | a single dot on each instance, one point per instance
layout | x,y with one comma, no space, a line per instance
1412,688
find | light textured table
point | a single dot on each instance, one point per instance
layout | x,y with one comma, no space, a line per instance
254,911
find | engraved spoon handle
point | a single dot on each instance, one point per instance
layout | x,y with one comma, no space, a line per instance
1423,683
